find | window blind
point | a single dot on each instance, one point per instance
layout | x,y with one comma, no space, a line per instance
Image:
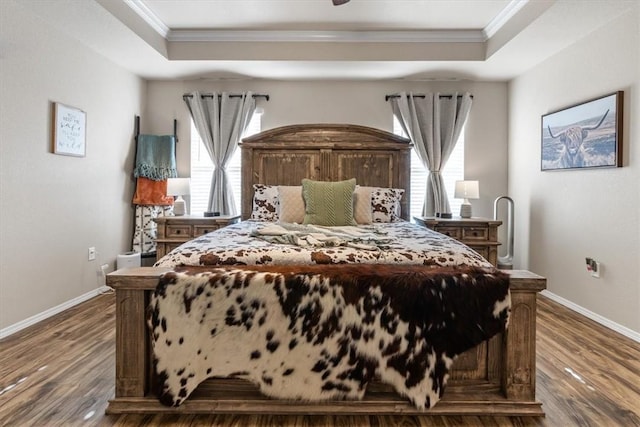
202,168
453,171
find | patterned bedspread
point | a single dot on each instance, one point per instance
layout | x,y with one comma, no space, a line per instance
404,243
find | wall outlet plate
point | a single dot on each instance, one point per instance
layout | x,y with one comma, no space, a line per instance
595,269
92,253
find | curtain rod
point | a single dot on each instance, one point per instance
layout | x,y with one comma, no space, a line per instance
233,95
387,97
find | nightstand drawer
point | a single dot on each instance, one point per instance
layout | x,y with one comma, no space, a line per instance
478,233
178,231
175,230
475,233
199,230
454,232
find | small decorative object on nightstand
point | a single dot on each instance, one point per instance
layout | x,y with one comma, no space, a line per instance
179,187
479,234
466,190
175,230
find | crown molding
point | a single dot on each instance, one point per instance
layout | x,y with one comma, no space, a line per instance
440,36
503,17
139,7
390,36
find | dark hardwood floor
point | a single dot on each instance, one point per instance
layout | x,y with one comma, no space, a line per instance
61,373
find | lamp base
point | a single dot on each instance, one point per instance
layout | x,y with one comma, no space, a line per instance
179,206
465,210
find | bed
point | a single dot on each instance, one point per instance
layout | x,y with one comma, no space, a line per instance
497,377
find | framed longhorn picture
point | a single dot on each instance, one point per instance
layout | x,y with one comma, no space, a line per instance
586,135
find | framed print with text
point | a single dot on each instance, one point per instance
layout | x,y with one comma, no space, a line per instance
69,130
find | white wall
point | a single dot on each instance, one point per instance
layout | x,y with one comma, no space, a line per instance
564,216
52,207
355,102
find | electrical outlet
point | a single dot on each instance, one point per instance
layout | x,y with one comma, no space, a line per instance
92,253
595,270
593,267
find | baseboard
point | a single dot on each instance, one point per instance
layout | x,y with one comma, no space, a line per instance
51,312
629,333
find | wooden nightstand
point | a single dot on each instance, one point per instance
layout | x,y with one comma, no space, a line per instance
175,230
480,234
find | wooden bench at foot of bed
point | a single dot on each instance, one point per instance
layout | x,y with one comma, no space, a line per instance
497,377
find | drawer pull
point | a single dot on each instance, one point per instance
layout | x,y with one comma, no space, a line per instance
178,231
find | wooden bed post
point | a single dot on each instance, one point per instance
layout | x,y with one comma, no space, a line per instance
519,382
132,338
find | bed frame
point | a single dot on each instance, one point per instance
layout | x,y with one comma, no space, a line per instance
495,378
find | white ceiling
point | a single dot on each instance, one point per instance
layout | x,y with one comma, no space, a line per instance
312,39
322,15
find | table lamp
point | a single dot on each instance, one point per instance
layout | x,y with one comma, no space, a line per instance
179,187
466,190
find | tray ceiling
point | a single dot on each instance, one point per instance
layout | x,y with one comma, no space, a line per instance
313,39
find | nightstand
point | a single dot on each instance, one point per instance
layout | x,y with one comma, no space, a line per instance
480,234
175,230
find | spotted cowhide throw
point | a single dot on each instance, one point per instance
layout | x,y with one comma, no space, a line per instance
322,332
407,243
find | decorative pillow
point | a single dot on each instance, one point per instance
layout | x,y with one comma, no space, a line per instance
265,202
385,204
291,207
328,203
362,210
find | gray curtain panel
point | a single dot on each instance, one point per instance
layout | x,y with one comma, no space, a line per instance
434,124
220,120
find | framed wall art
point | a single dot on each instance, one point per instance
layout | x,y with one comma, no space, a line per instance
586,135
69,130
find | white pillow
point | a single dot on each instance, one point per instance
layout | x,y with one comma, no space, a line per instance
362,209
291,204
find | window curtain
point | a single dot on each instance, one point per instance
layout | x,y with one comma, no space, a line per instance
433,123
220,120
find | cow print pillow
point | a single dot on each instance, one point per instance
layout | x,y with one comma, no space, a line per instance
265,203
385,204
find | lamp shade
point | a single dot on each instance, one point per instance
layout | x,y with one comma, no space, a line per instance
467,190
178,186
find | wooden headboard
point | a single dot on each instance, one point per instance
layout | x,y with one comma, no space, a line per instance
325,152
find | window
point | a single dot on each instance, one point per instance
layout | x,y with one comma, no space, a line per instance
453,171
202,168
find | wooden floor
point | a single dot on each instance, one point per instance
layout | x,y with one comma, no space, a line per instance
61,373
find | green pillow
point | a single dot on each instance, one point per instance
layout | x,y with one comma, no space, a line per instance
328,203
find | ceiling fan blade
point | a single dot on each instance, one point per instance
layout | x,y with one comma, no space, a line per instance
339,2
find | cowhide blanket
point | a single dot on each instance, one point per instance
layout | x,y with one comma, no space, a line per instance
235,245
322,332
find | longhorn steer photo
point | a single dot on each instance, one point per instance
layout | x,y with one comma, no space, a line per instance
572,141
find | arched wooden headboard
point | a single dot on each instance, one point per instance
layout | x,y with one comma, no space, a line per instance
325,152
